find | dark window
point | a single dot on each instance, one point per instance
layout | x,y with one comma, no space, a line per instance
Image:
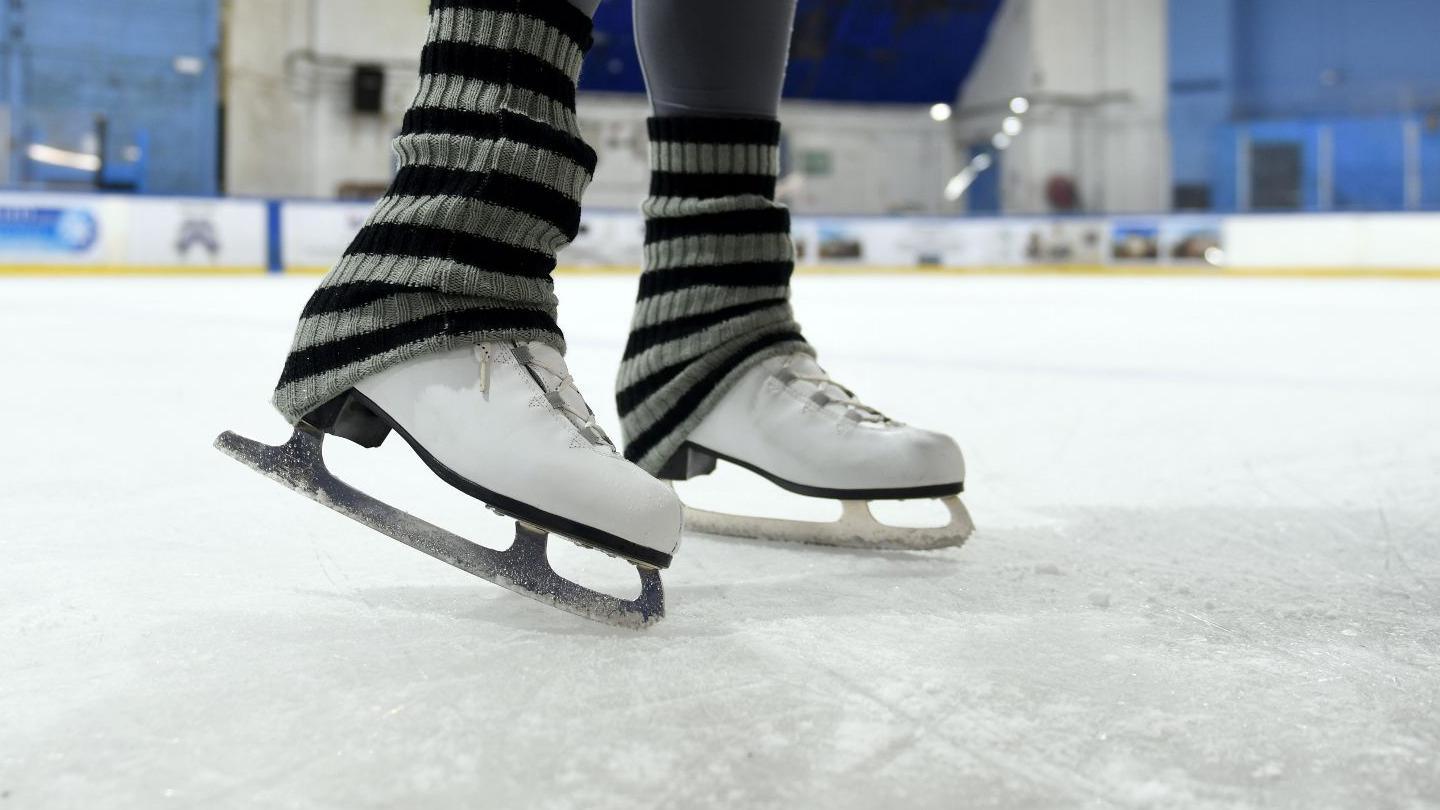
1275,176
1192,197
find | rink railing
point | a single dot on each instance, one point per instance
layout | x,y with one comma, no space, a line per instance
59,234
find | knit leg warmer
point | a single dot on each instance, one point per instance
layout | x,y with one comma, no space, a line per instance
714,293
461,247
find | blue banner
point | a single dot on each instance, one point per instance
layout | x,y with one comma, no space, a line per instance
48,230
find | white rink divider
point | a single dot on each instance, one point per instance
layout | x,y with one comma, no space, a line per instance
56,234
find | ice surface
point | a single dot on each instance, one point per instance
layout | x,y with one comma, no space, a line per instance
1207,572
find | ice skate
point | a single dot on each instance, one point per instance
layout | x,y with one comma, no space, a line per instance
788,421
503,423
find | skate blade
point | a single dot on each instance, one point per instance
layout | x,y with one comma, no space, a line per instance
523,568
857,528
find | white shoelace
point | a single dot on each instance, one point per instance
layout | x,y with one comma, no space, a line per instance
847,398
565,396
565,384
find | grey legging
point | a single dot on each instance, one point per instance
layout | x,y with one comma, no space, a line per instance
712,57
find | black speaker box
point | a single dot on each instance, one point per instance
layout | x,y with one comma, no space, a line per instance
368,89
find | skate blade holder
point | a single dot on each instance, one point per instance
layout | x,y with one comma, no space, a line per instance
523,568
856,528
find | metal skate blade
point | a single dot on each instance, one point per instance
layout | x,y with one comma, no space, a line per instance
523,568
857,528
521,523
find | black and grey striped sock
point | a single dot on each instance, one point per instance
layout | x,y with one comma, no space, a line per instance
460,249
714,294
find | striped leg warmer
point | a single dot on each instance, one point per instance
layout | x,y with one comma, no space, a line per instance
715,292
460,249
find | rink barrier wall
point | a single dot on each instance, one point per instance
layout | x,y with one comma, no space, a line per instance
83,234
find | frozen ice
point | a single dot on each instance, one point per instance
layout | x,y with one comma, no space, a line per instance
1248,470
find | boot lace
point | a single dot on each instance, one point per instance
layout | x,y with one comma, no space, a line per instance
547,367
828,392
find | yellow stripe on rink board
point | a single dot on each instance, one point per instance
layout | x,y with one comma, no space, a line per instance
1122,270
1160,271
1118,270
126,270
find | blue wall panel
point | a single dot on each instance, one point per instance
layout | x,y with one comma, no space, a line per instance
1366,166
983,196
78,60
1369,165
1333,57
1224,166
1430,163
1202,77
1291,69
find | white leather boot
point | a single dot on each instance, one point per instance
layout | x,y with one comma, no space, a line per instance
786,420
504,423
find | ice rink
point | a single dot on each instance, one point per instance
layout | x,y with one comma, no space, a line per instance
1207,572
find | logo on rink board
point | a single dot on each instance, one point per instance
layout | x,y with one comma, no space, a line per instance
47,230
197,232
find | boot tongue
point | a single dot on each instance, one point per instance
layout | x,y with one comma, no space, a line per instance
805,366
802,363
550,365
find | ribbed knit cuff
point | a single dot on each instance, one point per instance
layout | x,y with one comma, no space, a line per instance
714,294
706,158
460,249
559,15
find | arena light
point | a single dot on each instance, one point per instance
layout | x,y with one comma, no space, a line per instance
189,65
982,161
1011,126
1019,105
1001,141
940,112
79,161
960,183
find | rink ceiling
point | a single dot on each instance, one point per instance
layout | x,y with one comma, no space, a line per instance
1206,573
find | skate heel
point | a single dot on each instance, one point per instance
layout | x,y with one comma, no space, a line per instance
350,418
690,462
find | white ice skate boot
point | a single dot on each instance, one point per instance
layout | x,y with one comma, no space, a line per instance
788,421
504,423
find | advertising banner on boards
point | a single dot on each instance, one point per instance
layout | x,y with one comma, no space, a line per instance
199,233
54,229
50,233
121,234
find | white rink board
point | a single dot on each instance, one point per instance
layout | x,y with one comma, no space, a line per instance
1335,240
109,232
195,233
113,233
606,239
313,235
